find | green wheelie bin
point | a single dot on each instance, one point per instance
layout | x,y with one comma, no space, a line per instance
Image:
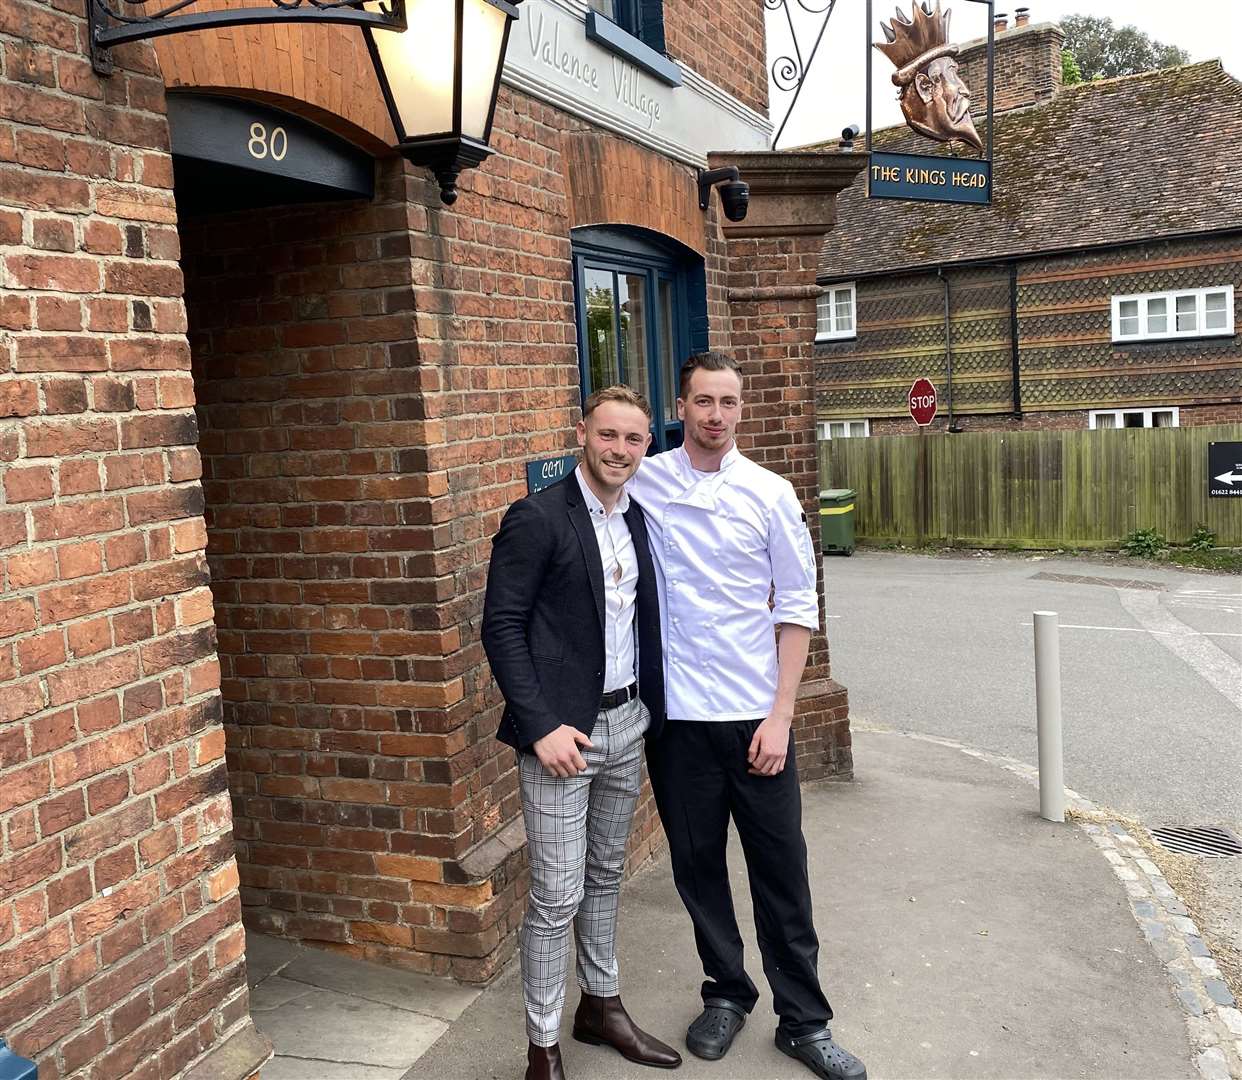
836,521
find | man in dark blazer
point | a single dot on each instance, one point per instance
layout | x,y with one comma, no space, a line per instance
571,625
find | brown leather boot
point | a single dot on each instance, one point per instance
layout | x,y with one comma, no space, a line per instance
603,1021
544,1063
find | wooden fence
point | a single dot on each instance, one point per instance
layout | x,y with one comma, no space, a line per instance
1037,489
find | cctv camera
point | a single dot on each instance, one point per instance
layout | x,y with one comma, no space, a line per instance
850,133
734,193
734,199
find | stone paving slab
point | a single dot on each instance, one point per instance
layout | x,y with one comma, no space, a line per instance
331,1017
961,936
400,989
331,1026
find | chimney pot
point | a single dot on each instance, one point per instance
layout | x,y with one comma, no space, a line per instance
1001,22
1021,16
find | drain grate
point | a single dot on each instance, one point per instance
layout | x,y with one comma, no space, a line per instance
1212,840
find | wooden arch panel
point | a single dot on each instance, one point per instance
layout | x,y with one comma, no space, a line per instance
323,73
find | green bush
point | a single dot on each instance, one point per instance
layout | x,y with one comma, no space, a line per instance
1144,544
1202,539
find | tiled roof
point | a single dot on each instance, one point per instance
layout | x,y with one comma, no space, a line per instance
1118,161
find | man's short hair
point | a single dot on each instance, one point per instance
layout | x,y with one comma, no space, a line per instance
622,394
705,361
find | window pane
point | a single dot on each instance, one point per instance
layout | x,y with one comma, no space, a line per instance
858,428
1133,419
604,7
823,314
601,330
1106,420
1215,316
632,294
1162,419
1127,321
1187,321
1158,315
844,314
668,354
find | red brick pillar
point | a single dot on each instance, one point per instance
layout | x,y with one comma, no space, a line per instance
772,258
120,922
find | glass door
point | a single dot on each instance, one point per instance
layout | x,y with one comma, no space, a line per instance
631,330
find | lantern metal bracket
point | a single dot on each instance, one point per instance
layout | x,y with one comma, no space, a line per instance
109,26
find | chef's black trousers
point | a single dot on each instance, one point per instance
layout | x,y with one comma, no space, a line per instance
699,774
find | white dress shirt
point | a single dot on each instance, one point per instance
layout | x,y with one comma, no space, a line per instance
723,541
616,552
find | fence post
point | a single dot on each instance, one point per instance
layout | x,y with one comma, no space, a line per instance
1048,716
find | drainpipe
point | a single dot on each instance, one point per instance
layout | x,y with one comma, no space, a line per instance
948,348
1013,340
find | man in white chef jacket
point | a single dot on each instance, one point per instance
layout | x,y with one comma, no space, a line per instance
727,534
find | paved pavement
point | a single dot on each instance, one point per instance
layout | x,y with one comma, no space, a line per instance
962,936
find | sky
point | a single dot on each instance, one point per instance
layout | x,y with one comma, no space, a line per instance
833,94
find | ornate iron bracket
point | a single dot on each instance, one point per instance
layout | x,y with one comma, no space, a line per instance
789,72
109,26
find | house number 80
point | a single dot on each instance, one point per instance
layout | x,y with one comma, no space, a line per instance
260,145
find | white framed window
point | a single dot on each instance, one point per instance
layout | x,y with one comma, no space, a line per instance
1185,313
1161,416
844,429
834,313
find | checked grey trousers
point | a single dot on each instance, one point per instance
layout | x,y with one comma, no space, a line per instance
576,828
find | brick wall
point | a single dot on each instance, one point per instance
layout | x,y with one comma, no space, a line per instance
723,42
120,938
771,304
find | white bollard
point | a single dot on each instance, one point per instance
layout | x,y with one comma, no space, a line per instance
1048,716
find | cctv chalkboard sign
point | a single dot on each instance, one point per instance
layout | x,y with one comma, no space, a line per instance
545,473
1225,469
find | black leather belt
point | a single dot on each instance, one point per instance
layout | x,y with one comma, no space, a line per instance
614,698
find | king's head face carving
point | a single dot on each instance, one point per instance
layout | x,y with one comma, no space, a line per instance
934,99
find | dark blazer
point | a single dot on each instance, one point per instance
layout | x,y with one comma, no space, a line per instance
543,617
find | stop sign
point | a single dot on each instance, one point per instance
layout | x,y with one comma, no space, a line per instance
923,402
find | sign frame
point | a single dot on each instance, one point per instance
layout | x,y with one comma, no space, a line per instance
935,161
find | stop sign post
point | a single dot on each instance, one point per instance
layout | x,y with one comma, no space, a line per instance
922,401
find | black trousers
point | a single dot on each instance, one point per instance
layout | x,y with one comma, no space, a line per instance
698,772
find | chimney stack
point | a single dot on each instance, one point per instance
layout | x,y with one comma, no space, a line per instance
1021,17
1001,22
1028,64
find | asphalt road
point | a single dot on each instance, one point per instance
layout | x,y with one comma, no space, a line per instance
1151,677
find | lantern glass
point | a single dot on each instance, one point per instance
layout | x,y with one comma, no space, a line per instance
481,60
418,67
421,70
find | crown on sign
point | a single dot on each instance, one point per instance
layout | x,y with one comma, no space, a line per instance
916,42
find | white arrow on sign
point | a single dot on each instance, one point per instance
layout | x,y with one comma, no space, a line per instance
1230,477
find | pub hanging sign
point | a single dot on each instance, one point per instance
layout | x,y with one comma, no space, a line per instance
935,101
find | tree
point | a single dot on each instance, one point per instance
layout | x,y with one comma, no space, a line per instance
1104,51
1071,74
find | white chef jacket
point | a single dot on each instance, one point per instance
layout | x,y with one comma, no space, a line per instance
616,552
722,541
